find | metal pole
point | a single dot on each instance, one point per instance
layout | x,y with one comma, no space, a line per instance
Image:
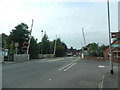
110,47
55,46
41,43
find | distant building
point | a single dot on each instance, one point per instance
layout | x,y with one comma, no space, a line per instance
72,52
115,51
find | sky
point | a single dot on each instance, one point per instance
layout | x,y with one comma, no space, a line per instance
62,18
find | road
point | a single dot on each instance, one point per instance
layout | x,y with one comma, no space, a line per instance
67,72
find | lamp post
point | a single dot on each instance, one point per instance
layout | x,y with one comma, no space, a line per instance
41,43
110,47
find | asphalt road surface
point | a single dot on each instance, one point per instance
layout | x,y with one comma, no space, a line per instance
67,72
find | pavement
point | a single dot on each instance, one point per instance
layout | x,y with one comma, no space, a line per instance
110,81
68,72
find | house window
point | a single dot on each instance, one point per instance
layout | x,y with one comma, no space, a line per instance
118,55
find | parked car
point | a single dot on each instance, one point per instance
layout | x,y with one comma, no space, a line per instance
74,55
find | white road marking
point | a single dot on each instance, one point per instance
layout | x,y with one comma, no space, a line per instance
100,85
55,60
101,66
115,67
71,57
69,67
44,59
50,79
102,81
65,66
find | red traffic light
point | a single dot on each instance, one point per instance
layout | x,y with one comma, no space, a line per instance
85,48
24,48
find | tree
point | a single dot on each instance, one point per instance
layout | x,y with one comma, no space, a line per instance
101,50
19,35
12,48
93,49
39,47
45,44
48,46
60,51
5,44
61,48
33,48
52,43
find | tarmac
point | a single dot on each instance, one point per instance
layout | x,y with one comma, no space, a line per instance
108,81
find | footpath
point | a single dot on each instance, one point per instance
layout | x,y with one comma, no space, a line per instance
111,81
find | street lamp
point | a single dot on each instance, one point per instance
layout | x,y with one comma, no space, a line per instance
110,47
41,42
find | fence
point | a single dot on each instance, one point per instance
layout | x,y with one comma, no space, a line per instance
45,55
21,57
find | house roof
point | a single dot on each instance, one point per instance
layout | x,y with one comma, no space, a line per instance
117,40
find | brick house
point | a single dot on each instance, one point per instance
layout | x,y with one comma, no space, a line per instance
72,52
115,51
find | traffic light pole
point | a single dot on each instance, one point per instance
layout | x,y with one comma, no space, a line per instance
110,46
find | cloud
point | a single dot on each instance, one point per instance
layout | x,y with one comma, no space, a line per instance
62,18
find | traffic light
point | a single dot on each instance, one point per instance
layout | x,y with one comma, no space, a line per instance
85,48
25,46
26,37
24,49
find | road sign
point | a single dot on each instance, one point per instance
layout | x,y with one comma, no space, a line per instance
116,35
116,45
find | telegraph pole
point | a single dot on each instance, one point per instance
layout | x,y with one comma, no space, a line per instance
110,47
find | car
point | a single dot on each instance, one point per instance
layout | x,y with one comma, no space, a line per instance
74,55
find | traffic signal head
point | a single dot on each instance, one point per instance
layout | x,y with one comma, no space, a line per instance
24,49
26,37
25,44
85,48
